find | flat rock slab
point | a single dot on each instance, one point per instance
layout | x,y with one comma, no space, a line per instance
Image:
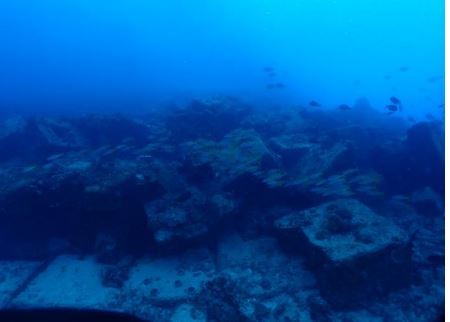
187,313
68,282
266,277
167,281
12,276
155,290
263,265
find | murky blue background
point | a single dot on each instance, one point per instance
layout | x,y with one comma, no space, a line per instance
92,55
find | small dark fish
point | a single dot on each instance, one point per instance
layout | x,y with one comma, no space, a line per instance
395,100
387,77
279,85
412,119
272,74
434,79
268,69
270,86
430,117
441,105
344,107
392,107
404,68
314,104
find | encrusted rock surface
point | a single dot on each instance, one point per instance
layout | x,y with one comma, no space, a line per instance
354,249
224,212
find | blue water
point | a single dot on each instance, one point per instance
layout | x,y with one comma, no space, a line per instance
221,161
94,55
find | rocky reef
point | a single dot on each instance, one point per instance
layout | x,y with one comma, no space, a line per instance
220,211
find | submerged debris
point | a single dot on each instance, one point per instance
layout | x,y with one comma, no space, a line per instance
221,211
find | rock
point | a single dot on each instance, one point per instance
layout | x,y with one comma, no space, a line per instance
427,166
12,125
400,210
319,309
428,202
106,249
68,282
429,138
13,275
356,253
167,281
291,147
33,140
208,119
261,267
116,275
415,162
179,221
76,196
221,299
240,153
269,282
101,130
187,313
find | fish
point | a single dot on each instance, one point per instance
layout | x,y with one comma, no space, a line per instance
441,105
387,77
430,117
395,100
270,86
272,74
315,104
344,107
412,119
392,107
64,314
434,79
280,85
268,69
403,68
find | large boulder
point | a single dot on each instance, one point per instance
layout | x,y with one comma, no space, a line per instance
413,163
75,196
239,153
180,220
356,253
425,152
208,118
428,202
99,130
34,139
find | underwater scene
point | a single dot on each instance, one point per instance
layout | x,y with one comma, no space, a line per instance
220,161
